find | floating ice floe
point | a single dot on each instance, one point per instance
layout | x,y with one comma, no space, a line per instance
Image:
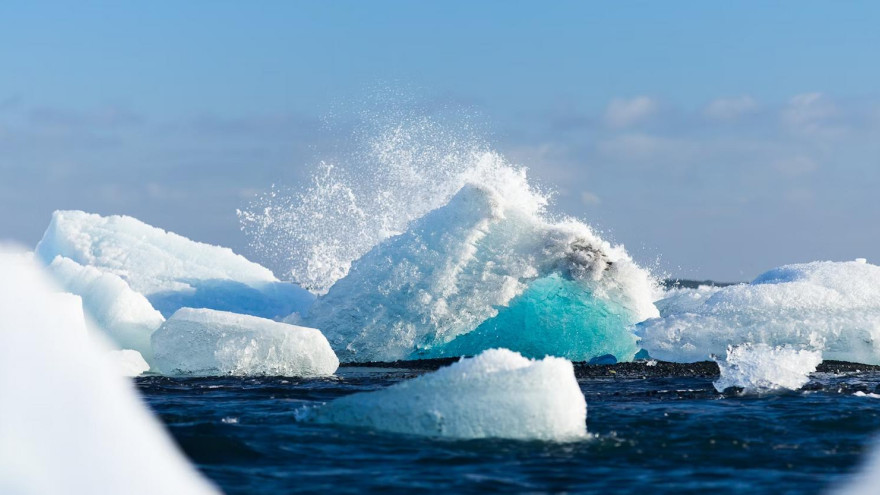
69,423
833,307
760,368
497,394
125,316
488,270
170,270
208,342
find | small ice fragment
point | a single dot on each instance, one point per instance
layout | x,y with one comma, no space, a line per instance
761,368
497,394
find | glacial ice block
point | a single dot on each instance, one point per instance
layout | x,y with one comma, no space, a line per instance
482,271
207,342
170,270
125,316
497,394
69,423
833,307
761,368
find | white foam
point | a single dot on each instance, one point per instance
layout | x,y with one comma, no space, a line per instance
497,394
170,270
208,342
760,368
69,423
829,306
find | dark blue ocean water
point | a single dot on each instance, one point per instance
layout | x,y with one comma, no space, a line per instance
653,435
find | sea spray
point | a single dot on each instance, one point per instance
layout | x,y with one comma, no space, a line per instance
437,237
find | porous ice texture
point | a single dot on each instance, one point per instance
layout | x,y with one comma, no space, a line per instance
833,307
69,423
170,270
487,270
125,316
761,368
129,362
207,342
497,394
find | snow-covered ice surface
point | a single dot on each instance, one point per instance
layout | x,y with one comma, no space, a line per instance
497,394
759,368
69,423
833,307
170,270
125,316
206,342
487,270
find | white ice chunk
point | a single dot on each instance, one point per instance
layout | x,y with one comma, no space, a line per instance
761,368
129,362
497,394
170,270
124,315
829,306
208,342
69,423
487,270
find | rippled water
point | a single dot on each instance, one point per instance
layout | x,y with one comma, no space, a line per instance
664,434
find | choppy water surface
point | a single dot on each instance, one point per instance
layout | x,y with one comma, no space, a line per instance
665,434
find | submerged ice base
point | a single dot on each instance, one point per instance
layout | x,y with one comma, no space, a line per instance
487,270
205,342
170,270
832,307
497,394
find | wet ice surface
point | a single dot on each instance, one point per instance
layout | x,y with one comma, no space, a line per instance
672,434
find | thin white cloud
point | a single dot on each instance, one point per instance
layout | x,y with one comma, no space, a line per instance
730,108
628,112
590,198
808,113
796,165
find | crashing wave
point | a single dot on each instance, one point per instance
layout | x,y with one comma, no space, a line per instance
487,270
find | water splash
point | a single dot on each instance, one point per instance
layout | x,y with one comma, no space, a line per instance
402,168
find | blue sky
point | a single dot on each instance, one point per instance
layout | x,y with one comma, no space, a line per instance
723,139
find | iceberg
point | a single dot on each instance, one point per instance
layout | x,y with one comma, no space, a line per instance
69,423
207,342
760,368
497,394
487,270
832,307
170,270
125,316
